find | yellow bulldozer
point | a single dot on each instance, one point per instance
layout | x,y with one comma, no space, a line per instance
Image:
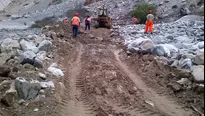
102,20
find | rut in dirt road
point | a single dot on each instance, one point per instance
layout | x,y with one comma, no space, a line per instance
73,106
98,83
162,103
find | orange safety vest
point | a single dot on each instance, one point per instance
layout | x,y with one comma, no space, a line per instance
75,21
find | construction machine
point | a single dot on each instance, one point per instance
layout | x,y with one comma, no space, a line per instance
102,20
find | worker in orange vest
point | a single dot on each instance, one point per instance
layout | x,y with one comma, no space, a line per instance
75,24
149,22
135,20
65,21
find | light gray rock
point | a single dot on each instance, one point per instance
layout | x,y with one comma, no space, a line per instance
199,59
159,51
27,90
42,76
27,57
39,59
28,46
49,84
185,63
175,63
146,45
10,97
8,44
45,46
198,73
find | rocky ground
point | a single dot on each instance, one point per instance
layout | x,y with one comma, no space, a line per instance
100,79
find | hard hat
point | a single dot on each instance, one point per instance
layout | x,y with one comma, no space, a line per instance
76,14
150,11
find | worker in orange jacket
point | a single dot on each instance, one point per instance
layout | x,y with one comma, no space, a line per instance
65,21
75,21
135,20
150,22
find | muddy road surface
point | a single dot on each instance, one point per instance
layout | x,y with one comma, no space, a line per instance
99,82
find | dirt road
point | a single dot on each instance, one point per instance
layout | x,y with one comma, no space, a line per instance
99,83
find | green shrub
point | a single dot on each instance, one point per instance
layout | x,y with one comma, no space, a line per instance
141,11
36,25
201,13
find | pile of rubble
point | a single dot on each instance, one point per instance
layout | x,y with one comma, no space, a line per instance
24,68
181,42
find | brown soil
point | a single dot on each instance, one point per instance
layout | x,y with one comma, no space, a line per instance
101,80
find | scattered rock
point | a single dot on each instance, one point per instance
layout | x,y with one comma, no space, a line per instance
28,46
27,57
91,36
199,59
175,86
42,76
183,81
159,51
36,110
9,44
45,46
27,90
185,63
39,59
49,84
21,102
55,70
198,73
10,97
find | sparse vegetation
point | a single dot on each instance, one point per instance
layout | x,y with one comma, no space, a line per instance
201,13
36,25
141,11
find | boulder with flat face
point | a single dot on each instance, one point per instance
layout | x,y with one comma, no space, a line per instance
27,90
198,73
45,46
8,44
28,46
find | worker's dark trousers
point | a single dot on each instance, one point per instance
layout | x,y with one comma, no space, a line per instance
75,30
87,26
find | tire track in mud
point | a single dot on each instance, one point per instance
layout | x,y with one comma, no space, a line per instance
99,59
72,105
161,102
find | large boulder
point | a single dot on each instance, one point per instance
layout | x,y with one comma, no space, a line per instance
45,46
39,59
185,63
27,57
28,46
159,51
199,59
146,45
10,97
9,44
27,90
198,73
